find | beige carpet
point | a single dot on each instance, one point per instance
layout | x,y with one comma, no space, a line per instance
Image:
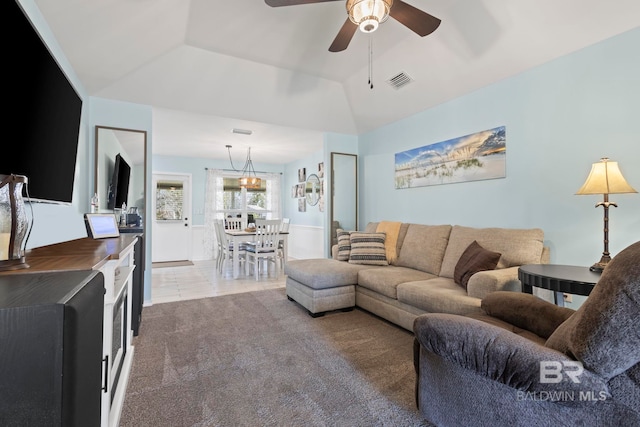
257,359
170,264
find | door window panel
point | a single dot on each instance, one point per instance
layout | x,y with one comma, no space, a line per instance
169,199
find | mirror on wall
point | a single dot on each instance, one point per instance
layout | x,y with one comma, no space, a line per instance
344,194
120,172
312,189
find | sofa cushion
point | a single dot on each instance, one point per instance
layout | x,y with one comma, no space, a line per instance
371,227
385,280
438,295
323,273
423,247
368,248
344,245
517,246
474,259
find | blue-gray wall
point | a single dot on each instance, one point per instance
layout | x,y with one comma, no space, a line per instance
560,118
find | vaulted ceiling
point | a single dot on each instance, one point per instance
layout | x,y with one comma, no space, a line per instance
209,66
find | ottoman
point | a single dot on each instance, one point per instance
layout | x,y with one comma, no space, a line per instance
322,284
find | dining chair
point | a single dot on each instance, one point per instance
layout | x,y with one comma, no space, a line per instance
226,245
264,246
217,226
234,224
285,229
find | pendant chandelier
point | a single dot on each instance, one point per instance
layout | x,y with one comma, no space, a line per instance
249,179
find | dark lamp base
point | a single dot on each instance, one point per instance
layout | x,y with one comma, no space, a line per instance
600,265
13,264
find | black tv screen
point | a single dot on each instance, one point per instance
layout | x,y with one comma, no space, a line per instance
43,112
119,186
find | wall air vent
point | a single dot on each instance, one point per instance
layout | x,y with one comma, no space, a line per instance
399,80
242,131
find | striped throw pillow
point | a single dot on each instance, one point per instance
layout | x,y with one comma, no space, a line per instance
344,245
368,248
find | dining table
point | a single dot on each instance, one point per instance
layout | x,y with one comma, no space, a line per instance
240,236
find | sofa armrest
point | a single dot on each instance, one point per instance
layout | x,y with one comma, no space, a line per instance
526,311
334,251
483,283
502,356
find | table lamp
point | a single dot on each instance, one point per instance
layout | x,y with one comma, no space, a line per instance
605,178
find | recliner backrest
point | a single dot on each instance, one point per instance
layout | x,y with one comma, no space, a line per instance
604,333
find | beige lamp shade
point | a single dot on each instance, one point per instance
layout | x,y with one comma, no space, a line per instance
605,178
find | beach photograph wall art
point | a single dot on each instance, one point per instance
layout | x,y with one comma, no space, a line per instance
478,156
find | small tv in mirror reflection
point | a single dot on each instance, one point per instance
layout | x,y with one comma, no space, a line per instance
119,186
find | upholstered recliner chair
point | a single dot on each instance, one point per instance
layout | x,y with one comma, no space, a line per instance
529,362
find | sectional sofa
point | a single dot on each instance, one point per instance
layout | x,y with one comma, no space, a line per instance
399,271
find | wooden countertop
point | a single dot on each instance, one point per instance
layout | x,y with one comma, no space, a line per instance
79,254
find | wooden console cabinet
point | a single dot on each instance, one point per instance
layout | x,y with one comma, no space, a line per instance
113,260
51,348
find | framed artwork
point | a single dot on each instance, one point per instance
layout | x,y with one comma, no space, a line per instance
478,156
302,205
321,170
302,174
294,191
300,190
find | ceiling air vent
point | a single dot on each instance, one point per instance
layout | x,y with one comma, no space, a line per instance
400,80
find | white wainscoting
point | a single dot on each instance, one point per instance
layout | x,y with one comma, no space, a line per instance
304,242
197,242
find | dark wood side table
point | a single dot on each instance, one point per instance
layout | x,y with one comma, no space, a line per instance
560,279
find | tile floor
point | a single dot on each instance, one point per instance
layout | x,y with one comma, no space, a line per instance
202,280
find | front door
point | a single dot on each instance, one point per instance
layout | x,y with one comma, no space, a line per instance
171,218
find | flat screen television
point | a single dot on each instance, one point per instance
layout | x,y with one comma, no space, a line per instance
119,185
43,110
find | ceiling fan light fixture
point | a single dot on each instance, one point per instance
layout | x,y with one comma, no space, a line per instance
368,25
368,14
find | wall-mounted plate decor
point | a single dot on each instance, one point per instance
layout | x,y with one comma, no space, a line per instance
474,157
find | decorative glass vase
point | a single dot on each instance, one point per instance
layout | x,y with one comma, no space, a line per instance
14,223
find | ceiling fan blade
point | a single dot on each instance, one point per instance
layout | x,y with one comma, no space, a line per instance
344,36
278,3
413,18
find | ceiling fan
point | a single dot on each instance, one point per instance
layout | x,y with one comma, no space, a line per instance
368,14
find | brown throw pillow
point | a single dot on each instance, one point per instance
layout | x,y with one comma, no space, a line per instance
475,258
